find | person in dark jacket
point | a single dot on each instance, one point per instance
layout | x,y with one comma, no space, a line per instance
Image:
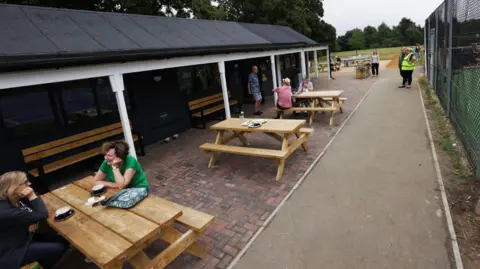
20,213
400,61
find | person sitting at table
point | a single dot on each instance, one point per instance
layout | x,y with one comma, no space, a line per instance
284,95
306,86
120,170
20,213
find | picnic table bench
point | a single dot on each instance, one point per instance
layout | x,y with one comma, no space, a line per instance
280,130
203,107
112,236
332,99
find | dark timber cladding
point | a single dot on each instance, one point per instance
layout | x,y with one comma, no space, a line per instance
36,36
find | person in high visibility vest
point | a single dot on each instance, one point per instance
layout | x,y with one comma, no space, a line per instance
408,66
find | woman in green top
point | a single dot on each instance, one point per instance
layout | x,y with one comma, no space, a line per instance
120,170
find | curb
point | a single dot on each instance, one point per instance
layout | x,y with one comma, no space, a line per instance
446,208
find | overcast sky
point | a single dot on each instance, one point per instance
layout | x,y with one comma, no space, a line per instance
348,14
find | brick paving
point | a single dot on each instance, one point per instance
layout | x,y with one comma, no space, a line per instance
240,191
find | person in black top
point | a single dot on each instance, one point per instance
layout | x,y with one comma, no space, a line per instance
20,213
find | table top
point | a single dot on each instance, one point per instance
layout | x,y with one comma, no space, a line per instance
271,126
107,235
319,94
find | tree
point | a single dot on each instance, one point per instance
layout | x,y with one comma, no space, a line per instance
371,37
357,42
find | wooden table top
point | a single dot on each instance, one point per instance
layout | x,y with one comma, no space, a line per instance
271,126
107,235
319,94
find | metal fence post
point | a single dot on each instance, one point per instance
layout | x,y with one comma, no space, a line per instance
425,48
449,57
435,51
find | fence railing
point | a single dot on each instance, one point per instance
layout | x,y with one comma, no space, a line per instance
452,64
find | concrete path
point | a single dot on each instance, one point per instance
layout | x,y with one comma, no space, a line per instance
371,202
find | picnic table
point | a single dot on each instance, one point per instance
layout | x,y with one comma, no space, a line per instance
112,236
278,129
332,100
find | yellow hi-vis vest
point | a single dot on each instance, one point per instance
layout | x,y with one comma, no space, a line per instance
406,64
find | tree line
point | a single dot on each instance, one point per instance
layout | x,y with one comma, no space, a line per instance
406,33
303,16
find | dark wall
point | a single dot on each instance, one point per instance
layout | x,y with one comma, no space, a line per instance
160,110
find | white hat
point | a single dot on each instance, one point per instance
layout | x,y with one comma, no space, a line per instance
286,80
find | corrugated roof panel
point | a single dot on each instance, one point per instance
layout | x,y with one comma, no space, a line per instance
19,35
171,27
229,33
62,31
272,33
102,31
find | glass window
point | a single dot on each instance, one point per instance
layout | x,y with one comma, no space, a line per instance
185,79
27,110
78,101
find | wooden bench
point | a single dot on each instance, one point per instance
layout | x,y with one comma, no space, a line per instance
40,158
341,103
205,106
257,152
311,110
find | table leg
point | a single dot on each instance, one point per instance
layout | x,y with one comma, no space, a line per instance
281,164
304,144
332,113
170,235
242,138
275,136
214,156
175,249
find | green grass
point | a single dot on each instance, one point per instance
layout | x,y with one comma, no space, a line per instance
385,53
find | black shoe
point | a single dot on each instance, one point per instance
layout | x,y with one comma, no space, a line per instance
258,113
403,86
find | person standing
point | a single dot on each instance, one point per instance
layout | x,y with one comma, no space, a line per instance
254,89
400,61
417,52
408,66
375,63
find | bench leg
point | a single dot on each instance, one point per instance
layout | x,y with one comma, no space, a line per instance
281,114
312,115
170,235
214,156
172,251
341,106
140,260
331,118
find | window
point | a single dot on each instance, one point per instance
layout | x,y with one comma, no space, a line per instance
199,80
78,101
27,110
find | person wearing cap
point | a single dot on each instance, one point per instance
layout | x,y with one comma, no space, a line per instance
408,66
284,95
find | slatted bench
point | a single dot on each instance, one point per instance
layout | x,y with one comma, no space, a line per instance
205,106
257,152
341,99
40,158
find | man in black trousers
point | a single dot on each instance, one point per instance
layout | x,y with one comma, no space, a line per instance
400,61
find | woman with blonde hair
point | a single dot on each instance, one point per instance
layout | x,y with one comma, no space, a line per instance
20,213
120,170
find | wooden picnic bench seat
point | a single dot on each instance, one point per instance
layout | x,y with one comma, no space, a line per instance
311,110
54,155
257,152
200,108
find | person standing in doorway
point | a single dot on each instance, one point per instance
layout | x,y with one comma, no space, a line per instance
400,61
375,63
408,66
254,89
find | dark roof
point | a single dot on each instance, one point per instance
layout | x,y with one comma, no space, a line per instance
33,36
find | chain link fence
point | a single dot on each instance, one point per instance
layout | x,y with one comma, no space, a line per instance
452,64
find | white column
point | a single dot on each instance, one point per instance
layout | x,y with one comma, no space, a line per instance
274,78
328,63
223,80
116,81
302,60
279,70
307,57
315,62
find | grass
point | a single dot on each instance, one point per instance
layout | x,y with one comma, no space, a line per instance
385,53
446,139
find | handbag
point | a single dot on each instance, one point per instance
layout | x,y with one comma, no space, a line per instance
126,198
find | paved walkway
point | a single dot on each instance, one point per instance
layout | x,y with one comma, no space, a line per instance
370,202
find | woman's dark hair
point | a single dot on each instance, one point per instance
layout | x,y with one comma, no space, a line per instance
121,148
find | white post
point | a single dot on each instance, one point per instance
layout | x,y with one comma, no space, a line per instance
223,80
279,70
328,63
274,78
315,62
116,81
302,60
308,63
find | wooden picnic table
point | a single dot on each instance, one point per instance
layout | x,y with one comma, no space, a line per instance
280,130
112,236
321,98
